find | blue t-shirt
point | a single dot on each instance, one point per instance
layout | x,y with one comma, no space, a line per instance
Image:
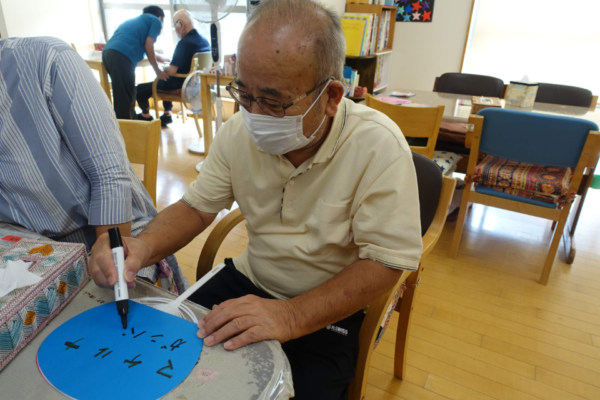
189,45
130,37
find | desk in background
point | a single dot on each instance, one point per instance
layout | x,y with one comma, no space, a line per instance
94,60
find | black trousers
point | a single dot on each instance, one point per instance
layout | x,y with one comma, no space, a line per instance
144,92
122,74
322,363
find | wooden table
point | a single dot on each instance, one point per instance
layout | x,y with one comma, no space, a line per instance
455,112
206,80
259,371
94,61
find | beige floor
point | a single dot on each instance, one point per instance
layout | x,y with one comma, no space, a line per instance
483,328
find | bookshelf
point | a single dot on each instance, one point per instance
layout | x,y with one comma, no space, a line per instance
378,10
374,67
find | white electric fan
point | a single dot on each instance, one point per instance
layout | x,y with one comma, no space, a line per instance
210,12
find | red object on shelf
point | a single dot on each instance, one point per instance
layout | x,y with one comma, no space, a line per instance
98,46
360,91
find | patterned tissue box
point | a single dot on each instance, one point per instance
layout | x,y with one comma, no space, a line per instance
25,311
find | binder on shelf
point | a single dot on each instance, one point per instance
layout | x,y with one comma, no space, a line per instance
360,30
354,32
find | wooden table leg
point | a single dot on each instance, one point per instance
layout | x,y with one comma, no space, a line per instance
104,82
206,114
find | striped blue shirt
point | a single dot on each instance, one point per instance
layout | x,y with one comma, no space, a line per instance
63,165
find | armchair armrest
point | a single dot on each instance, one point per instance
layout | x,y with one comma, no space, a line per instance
216,237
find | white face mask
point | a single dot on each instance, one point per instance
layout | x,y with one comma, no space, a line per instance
279,135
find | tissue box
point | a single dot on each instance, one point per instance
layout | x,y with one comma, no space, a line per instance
24,312
479,103
521,94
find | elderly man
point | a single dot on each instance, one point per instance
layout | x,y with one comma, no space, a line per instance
190,43
328,189
64,171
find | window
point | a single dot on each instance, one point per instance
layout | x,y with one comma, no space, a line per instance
511,38
118,11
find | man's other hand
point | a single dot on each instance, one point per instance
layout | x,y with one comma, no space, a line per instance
250,319
102,267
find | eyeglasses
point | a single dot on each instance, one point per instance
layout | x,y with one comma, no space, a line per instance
270,107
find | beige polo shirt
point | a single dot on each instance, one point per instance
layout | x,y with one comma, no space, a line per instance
355,199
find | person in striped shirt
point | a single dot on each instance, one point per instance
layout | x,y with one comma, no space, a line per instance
64,172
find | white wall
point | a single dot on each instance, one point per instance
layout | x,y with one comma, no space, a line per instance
338,6
68,20
3,32
422,51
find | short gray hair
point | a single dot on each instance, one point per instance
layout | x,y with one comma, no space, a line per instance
315,21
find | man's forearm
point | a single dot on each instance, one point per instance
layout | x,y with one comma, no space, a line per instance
151,56
173,228
124,229
341,296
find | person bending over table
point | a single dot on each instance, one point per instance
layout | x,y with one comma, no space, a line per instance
125,49
329,192
64,172
190,43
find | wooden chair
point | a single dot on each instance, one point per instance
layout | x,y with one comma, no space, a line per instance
141,142
199,62
539,139
376,312
415,122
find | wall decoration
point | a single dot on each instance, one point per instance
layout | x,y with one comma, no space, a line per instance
414,10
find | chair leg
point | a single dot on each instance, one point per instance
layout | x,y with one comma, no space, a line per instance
183,114
554,245
156,107
402,332
553,225
460,221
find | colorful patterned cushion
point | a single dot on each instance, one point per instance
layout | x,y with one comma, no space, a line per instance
547,184
176,92
446,160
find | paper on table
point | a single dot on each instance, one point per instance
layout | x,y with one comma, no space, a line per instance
16,275
91,356
394,100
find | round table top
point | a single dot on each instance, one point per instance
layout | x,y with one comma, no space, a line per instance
257,371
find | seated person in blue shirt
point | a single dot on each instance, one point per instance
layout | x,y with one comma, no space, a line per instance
125,50
64,172
190,42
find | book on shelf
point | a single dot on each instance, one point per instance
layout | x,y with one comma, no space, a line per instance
351,79
360,30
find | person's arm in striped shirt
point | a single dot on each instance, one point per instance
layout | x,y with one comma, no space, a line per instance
88,125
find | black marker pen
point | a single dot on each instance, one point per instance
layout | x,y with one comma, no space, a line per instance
121,293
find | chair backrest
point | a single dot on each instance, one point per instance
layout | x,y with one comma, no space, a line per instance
416,122
429,182
534,138
470,84
141,143
434,204
564,95
201,61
